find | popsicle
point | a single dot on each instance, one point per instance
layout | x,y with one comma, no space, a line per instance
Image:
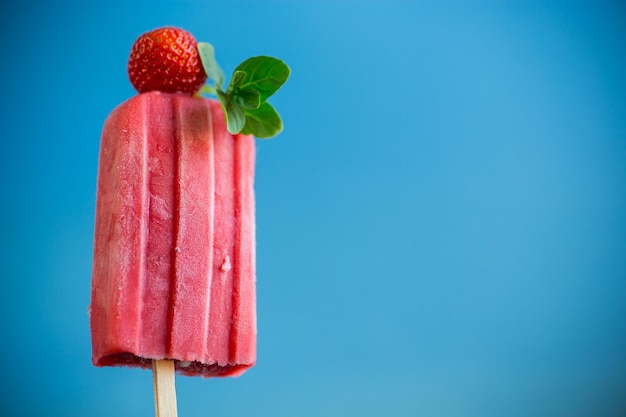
174,252
173,281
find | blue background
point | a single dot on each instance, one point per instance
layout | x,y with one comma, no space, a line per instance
441,225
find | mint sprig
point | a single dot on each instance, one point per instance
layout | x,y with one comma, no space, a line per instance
245,99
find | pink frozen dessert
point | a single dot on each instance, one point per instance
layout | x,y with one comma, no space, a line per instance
174,255
174,252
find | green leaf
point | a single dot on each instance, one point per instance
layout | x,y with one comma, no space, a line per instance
248,99
264,74
263,122
244,102
212,69
236,80
235,116
223,98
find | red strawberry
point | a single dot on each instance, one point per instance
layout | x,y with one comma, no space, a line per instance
166,60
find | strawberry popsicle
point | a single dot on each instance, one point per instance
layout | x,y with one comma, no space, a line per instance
174,253
173,281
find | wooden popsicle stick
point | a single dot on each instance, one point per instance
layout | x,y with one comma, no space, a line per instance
164,388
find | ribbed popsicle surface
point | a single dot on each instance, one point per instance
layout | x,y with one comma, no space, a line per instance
174,252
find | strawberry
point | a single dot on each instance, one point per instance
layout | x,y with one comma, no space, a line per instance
166,60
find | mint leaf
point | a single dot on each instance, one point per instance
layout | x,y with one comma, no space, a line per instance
235,116
212,69
263,122
223,98
265,74
244,102
248,99
236,80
